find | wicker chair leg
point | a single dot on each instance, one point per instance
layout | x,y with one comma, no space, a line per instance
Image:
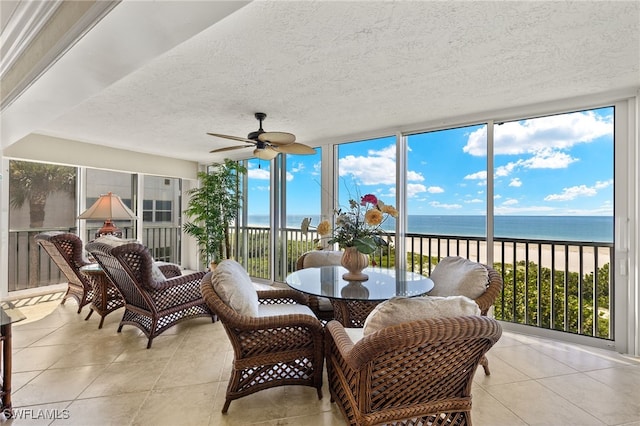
319,393
484,362
88,316
226,406
149,342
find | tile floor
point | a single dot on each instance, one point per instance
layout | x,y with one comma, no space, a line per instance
65,368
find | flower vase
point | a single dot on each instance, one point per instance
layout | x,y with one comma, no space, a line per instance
354,262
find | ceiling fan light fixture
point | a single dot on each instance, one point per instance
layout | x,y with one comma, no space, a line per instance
265,153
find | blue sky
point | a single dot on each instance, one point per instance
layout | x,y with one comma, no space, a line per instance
555,165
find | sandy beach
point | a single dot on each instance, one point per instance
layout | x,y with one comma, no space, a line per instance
561,257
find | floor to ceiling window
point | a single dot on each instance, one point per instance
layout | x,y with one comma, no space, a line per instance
303,201
446,194
162,217
42,197
99,182
254,237
554,212
369,167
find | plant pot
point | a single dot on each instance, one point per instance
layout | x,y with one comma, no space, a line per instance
354,262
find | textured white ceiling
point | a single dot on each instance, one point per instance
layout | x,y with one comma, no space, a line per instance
328,71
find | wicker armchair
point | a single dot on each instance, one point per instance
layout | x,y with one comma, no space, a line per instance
417,372
151,304
270,351
320,306
65,249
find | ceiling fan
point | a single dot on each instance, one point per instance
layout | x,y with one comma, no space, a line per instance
267,144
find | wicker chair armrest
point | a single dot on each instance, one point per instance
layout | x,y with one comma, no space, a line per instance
170,270
284,295
182,280
341,340
282,321
494,287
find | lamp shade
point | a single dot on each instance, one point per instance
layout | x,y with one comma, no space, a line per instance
108,207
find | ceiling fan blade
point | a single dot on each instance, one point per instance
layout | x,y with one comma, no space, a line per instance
296,148
235,138
267,153
229,148
277,138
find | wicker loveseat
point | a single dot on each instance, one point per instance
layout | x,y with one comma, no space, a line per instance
279,344
153,301
417,372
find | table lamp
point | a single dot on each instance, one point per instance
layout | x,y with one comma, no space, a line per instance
108,207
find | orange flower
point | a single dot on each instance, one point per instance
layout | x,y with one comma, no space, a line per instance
390,210
324,228
373,217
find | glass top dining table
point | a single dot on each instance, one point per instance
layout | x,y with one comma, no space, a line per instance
354,300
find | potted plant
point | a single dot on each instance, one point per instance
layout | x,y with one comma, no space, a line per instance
212,207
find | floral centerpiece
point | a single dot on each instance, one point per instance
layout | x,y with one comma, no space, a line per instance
358,231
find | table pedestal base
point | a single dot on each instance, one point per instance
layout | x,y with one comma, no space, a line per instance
352,313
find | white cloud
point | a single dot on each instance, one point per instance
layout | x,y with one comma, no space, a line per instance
254,173
555,132
414,189
435,190
574,192
474,201
289,176
532,210
510,202
548,159
414,176
516,182
477,175
445,206
297,168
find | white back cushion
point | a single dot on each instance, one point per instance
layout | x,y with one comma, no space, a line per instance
233,285
405,309
316,258
455,276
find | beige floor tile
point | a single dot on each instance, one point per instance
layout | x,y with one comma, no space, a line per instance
119,378
595,398
625,381
530,362
113,410
55,385
192,369
501,372
488,411
185,406
538,405
39,357
21,337
579,357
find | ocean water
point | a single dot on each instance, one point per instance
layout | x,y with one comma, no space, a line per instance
558,228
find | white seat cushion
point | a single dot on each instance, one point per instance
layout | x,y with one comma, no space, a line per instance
283,309
455,276
234,287
405,309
